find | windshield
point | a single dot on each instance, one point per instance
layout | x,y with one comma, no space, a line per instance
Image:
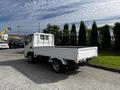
28,39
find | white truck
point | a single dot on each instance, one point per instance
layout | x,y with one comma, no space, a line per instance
42,45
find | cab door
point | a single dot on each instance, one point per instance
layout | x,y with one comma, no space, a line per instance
28,44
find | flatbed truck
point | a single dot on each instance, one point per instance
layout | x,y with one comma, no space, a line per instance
61,57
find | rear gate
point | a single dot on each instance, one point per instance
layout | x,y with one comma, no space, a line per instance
86,53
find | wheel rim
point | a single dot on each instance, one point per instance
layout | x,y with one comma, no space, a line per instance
29,58
56,66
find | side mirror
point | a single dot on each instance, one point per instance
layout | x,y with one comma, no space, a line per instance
25,43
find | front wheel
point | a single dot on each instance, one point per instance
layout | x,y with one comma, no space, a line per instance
30,58
57,66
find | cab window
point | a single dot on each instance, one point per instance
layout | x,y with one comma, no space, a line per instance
44,37
28,39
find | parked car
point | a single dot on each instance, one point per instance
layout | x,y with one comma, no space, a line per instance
21,44
16,43
4,45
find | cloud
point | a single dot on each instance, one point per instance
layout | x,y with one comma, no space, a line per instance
27,13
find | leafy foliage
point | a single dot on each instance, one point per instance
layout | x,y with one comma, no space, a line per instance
66,37
117,36
106,38
73,36
94,35
55,30
82,35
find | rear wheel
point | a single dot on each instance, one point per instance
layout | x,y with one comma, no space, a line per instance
57,66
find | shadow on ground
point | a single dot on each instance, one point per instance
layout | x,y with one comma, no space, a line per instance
19,52
39,72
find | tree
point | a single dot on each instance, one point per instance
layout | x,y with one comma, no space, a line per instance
53,29
82,35
88,35
116,29
59,38
73,36
94,35
106,38
66,38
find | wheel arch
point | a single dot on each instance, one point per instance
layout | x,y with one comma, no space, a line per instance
30,53
56,58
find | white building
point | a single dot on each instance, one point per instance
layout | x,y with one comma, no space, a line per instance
4,37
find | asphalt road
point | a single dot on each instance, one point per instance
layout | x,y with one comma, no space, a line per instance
17,74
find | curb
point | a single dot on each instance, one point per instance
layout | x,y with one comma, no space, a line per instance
103,68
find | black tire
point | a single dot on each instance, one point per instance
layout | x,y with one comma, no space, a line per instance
57,66
72,65
30,58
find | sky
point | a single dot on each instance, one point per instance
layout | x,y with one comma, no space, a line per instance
28,14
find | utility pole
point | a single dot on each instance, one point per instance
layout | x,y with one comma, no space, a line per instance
39,27
18,27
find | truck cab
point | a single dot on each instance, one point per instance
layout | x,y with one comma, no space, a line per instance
38,40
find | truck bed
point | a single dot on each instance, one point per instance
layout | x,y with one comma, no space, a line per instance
67,52
67,46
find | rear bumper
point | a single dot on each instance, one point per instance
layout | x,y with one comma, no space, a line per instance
72,64
84,60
